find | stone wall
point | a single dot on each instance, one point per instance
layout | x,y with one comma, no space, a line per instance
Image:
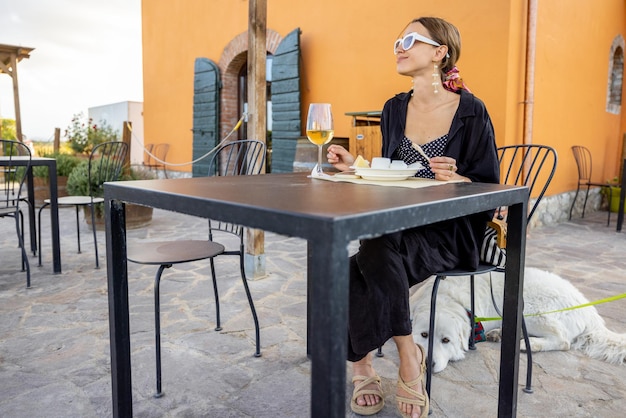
555,209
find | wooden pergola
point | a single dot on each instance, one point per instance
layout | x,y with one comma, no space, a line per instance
10,55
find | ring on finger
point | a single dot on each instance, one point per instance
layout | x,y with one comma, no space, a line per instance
451,167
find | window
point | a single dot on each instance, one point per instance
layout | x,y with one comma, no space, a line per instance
616,77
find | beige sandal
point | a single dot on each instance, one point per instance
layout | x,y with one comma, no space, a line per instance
360,390
417,399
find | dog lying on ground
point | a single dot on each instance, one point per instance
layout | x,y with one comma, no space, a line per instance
580,329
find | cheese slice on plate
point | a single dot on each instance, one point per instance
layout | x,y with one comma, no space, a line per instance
361,162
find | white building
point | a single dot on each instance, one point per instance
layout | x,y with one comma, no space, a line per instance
115,115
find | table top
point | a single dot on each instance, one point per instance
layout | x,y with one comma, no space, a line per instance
294,204
23,158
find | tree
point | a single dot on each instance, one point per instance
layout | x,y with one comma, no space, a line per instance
7,129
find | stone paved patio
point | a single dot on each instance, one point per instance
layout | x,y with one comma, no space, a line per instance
54,345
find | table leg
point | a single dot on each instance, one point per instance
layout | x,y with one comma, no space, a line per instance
31,211
512,310
309,291
54,218
329,284
622,196
119,326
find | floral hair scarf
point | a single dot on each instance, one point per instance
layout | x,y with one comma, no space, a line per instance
454,82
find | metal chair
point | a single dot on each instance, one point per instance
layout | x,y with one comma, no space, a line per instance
105,164
147,155
582,155
155,161
243,157
13,184
523,165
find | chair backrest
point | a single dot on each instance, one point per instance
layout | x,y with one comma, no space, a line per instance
237,158
147,158
160,152
582,155
13,176
105,164
528,165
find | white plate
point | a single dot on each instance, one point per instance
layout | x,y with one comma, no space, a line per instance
348,175
385,174
385,177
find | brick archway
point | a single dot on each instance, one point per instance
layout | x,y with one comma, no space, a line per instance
233,57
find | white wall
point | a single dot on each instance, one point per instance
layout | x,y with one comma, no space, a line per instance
115,115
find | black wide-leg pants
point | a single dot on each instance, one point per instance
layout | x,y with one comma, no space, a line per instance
381,274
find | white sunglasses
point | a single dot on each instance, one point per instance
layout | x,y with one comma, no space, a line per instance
409,40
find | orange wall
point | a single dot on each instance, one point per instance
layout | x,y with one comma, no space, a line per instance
348,61
573,46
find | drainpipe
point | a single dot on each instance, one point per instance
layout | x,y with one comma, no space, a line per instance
529,100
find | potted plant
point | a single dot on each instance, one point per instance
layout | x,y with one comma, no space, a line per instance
612,193
78,185
65,164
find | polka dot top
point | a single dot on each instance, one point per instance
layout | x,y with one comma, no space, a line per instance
409,155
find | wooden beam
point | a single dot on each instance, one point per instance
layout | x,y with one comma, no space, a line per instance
16,98
257,117
257,95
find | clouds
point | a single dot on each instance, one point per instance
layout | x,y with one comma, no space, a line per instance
87,53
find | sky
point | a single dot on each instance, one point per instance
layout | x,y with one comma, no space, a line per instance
87,53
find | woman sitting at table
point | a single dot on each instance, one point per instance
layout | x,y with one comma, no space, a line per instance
453,128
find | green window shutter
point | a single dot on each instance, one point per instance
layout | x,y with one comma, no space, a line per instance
286,117
206,112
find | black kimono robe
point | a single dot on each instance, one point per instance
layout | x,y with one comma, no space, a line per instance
383,270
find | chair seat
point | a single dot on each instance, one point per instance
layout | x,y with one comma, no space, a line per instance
482,268
174,252
76,200
8,211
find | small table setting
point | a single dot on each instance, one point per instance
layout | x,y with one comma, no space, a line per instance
306,206
54,212
382,171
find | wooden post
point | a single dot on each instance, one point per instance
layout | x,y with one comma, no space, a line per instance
57,140
126,136
257,118
16,98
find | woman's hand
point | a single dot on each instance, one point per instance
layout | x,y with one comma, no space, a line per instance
339,157
445,169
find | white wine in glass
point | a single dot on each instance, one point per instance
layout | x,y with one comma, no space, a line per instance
319,130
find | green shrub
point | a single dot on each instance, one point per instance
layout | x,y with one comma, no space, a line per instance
78,180
65,164
139,173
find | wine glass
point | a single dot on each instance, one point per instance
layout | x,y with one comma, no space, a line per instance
319,130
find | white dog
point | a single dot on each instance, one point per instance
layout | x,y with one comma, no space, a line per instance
582,329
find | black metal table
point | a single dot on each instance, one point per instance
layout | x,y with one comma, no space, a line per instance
329,216
51,163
